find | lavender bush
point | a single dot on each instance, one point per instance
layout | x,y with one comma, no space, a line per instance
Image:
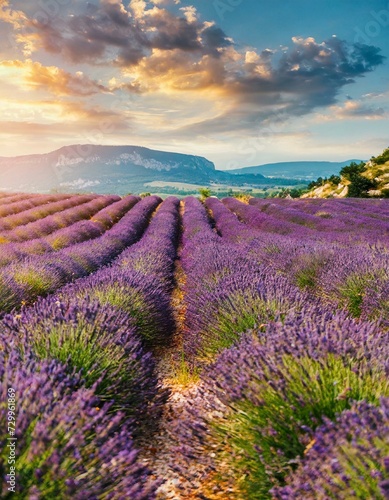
68,445
265,397
221,304
139,282
346,459
140,296
99,343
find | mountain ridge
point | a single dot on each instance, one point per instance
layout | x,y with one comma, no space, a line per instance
307,170
100,165
119,170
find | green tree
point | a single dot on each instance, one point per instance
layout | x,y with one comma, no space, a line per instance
352,170
205,193
381,159
334,179
360,186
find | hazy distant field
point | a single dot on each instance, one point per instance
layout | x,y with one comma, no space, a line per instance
185,189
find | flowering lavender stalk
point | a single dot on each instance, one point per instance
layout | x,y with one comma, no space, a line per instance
346,459
67,444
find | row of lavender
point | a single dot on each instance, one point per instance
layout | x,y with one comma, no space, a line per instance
345,270
23,212
86,352
285,370
22,282
73,225
14,204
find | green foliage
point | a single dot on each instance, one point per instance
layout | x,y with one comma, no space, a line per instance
37,282
132,302
184,374
85,347
317,183
242,311
360,479
333,179
8,296
296,192
383,158
307,276
360,186
145,195
205,193
352,170
353,290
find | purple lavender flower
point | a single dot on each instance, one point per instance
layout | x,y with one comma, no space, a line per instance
262,400
100,343
68,445
347,458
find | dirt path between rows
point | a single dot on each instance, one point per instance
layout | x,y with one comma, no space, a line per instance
159,451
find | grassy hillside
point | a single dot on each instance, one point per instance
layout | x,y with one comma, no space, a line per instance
363,180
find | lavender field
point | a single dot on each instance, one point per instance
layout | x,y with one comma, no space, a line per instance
181,349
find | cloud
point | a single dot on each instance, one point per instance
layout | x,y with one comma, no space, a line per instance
145,48
54,80
93,34
357,110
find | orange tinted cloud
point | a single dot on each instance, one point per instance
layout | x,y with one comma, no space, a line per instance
55,80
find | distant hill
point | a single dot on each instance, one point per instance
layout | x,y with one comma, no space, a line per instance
116,169
307,170
101,168
370,179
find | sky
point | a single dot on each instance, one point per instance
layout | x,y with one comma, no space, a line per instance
241,82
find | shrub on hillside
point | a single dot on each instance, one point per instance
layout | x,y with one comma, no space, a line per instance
382,158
